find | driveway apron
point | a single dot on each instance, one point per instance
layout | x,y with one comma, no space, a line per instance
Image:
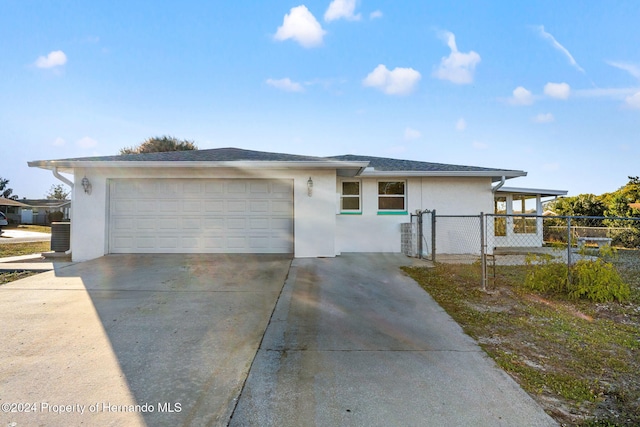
134,339
355,342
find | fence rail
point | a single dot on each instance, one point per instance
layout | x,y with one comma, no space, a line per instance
492,240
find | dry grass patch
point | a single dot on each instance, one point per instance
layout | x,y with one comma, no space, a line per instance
578,359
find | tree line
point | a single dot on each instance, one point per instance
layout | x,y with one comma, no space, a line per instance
624,202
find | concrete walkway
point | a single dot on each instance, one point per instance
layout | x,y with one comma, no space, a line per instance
354,342
35,262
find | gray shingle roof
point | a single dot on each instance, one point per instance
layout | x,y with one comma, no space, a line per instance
209,155
379,164
387,164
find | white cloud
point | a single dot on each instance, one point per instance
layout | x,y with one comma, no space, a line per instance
461,124
555,44
341,9
479,145
543,118
53,59
411,134
633,101
300,25
86,142
521,96
400,81
375,14
458,67
557,90
632,69
59,142
285,84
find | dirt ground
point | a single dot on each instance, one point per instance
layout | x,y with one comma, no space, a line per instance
580,360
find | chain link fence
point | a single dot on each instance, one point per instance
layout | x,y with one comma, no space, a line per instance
491,240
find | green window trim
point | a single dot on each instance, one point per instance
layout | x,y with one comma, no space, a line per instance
350,213
393,213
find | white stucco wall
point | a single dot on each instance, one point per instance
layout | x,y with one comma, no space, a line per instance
370,232
319,228
314,217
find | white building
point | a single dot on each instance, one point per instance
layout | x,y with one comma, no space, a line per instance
229,200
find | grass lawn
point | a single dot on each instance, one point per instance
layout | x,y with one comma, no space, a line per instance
17,249
580,360
10,277
27,248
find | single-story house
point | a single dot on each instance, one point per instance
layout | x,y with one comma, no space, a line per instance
230,200
34,211
38,210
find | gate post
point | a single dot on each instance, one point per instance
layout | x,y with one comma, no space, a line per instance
419,234
433,235
483,255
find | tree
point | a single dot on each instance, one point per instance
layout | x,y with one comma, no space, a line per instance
160,144
57,192
5,191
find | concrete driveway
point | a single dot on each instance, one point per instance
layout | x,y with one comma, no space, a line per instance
194,340
173,334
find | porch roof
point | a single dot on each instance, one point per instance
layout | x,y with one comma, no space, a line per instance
531,191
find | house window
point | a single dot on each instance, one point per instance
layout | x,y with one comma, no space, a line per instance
350,197
523,224
391,196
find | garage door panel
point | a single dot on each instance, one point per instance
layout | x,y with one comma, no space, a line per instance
124,224
194,223
236,187
201,215
236,206
191,206
214,206
282,207
259,206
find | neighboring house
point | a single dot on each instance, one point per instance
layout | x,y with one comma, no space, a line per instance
11,209
230,200
37,210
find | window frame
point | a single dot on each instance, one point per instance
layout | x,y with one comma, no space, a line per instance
351,196
382,211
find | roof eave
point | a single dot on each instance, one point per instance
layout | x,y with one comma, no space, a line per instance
537,191
494,175
69,165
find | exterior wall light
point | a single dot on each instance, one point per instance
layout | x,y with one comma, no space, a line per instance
86,185
309,187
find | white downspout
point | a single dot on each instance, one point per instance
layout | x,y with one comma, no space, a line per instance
500,184
61,178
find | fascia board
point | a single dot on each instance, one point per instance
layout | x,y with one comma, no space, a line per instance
73,164
489,174
541,191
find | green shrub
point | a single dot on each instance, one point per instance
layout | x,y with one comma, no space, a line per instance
545,275
626,238
596,280
56,216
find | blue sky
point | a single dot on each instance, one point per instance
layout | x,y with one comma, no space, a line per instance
552,88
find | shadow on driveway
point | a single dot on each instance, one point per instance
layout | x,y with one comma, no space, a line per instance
135,339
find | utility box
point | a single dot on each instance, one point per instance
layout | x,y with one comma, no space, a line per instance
60,236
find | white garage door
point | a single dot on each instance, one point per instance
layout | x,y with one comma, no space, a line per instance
200,216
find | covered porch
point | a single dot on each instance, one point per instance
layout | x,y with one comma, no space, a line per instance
517,219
